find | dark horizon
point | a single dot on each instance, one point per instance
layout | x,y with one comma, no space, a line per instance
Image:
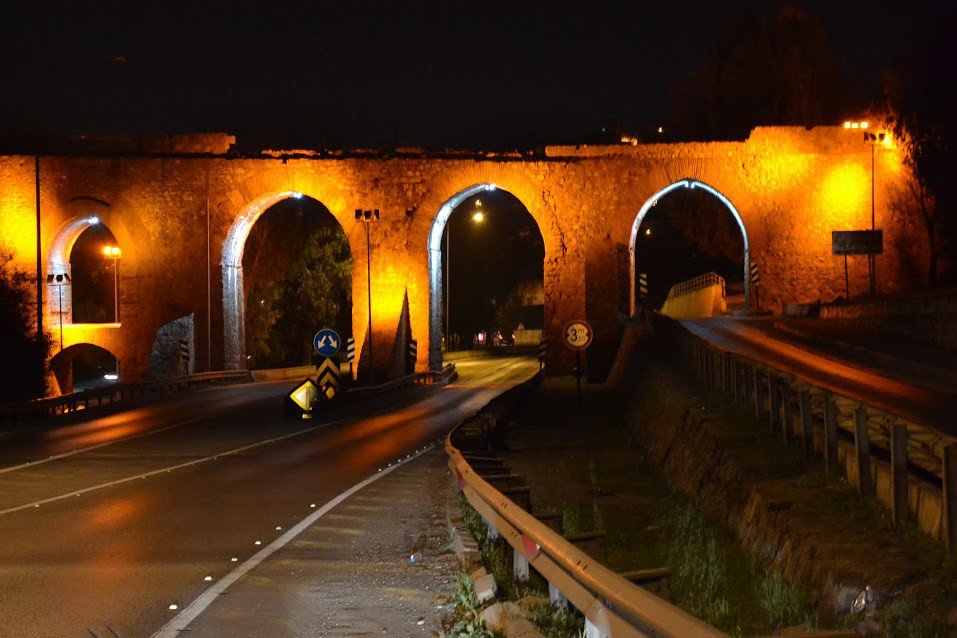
372,74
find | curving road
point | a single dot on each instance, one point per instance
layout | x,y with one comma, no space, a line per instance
136,508
883,388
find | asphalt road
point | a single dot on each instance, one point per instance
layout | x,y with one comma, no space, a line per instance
882,388
100,542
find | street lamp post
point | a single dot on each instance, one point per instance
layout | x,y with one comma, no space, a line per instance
872,139
477,217
369,217
113,253
59,281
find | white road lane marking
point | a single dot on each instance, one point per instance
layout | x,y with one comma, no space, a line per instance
181,621
473,403
13,468
163,470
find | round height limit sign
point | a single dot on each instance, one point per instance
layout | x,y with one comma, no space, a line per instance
577,334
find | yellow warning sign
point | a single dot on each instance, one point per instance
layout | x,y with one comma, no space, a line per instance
304,395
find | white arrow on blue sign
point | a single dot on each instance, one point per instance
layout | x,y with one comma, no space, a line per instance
326,342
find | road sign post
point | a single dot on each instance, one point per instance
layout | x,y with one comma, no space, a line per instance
327,379
577,335
350,353
643,293
304,396
326,342
857,242
755,281
413,353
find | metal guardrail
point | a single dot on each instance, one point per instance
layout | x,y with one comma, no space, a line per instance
698,283
106,395
612,606
96,397
447,373
887,453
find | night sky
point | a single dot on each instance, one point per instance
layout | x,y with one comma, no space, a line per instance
334,74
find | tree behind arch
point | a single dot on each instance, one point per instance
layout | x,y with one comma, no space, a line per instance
23,372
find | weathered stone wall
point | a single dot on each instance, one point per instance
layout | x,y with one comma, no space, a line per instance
166,360
790,186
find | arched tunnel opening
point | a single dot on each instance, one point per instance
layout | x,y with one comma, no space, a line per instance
491,273
95,276
297,279
686,232
84,366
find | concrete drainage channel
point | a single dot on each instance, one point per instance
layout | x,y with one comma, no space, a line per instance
519,550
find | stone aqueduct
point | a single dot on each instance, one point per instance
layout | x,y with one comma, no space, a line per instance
787,187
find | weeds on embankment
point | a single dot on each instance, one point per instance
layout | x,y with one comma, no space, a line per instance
465,620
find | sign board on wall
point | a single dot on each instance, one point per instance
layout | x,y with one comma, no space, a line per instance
857,242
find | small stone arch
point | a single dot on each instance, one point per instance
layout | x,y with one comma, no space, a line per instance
60,298
651,201
61,364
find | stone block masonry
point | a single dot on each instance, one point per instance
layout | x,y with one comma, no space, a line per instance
788,187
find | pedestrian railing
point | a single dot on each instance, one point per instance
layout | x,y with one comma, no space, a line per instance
110,394
698,283
909,466
448,373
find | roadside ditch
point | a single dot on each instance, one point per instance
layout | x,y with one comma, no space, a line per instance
754,540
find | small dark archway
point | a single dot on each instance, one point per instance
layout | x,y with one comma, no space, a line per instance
486,269
683,231
95,264
286,273
83,366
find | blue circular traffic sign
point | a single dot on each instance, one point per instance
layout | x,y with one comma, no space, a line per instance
326,342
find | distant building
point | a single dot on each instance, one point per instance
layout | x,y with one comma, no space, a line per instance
531,315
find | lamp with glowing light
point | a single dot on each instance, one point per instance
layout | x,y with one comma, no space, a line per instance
872,139
113,253
59,280
478,217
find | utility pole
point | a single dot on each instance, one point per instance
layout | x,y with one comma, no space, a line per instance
209,292
36,161
369,217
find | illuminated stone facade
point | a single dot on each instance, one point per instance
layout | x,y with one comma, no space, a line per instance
789,187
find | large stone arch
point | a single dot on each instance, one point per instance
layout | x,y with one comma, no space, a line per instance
691,184
455,187
242,207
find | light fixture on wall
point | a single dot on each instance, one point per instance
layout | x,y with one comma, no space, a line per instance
59,281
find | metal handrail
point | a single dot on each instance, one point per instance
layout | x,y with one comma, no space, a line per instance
927,451
94,397
616,606
698,283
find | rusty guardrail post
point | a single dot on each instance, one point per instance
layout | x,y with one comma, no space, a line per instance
862,448
830,434
899,488
774,392
807,421
787,425
950,497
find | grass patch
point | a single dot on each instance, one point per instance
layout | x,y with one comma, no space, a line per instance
465,620
556,622
714,580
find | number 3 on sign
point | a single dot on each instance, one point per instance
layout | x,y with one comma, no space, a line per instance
577,334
